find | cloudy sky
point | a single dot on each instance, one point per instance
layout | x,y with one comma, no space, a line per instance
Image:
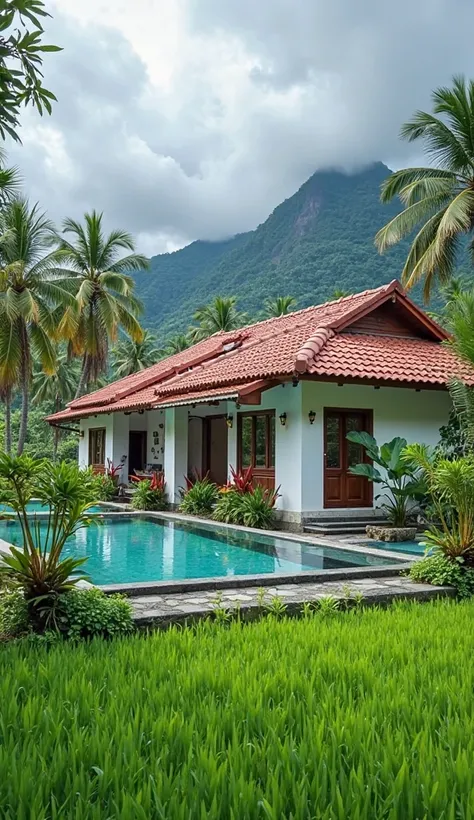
185,119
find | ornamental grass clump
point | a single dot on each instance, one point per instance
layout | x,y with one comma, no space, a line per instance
200,498
364,715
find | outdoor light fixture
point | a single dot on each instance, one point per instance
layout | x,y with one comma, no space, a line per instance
283,419
311,416
229,420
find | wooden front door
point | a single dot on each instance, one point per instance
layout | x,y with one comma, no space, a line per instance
341,489
214,460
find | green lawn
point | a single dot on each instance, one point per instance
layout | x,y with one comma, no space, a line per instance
363,715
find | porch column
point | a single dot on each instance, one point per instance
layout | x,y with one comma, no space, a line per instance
176,450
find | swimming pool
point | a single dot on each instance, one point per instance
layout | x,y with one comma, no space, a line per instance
407,547
131,549
38,507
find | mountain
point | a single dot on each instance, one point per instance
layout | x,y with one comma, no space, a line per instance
320,239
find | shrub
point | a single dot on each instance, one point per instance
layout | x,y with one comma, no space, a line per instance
250,509
38,569
440,570
200,498
228,506
89,612
450,486
150,494
104,487
13,614
399,477
256,509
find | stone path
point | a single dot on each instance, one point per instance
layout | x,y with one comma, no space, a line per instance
160,610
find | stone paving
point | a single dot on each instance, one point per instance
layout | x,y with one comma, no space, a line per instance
164,609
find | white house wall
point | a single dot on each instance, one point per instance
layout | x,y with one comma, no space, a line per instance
299,461
416,416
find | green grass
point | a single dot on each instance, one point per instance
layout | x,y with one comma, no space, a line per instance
361,715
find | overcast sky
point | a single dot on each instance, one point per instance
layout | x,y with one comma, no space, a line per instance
186,119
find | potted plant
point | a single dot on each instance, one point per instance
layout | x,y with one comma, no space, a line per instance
398,478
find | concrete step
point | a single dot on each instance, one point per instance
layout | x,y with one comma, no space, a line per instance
354,530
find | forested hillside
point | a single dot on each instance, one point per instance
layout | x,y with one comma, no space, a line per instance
320,239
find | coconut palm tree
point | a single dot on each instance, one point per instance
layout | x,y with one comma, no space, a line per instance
280,306
220,314
56,388
176,344
105,300
131,356
339,293
29,290
438,200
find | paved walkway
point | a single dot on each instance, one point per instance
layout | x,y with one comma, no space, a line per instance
163,609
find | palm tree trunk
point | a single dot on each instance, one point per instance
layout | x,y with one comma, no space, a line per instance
8,423
25,386
56,431
83,380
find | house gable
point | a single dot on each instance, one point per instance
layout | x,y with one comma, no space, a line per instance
392,319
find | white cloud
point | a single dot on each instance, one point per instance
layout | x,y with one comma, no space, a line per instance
193,119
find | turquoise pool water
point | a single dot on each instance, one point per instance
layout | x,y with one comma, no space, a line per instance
407,547
134,549
36,506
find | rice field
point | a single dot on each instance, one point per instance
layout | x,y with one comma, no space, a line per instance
364,715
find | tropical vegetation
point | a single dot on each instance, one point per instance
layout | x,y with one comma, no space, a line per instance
438,199
280,306
150,493
29,294
104,292
397,476
200,497
21,57
365,714
219,315
37,568
133,355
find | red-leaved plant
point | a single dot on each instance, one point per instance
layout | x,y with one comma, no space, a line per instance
112,470
242,480
194,477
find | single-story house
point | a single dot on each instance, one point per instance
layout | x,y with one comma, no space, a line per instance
279,395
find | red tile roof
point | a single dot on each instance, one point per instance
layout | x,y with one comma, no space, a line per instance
316,341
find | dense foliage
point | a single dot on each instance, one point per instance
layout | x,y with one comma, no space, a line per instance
332,718
440,570
318,239
200,498
21,58
150,494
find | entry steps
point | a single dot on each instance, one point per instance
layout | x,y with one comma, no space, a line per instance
343,525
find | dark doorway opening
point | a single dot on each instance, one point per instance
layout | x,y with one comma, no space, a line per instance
136,450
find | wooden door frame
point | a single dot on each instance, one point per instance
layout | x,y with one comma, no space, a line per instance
369,415
93,464
206,439
144,437
264,475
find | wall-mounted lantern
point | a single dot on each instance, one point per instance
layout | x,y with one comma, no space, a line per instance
311,416
229,420
283,419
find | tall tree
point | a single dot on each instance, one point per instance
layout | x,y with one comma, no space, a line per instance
459,317
56,388
105,300
28,292
280,306
438,200
21,57
220,314
130,357
176,344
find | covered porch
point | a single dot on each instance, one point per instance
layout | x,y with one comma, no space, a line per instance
293,436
